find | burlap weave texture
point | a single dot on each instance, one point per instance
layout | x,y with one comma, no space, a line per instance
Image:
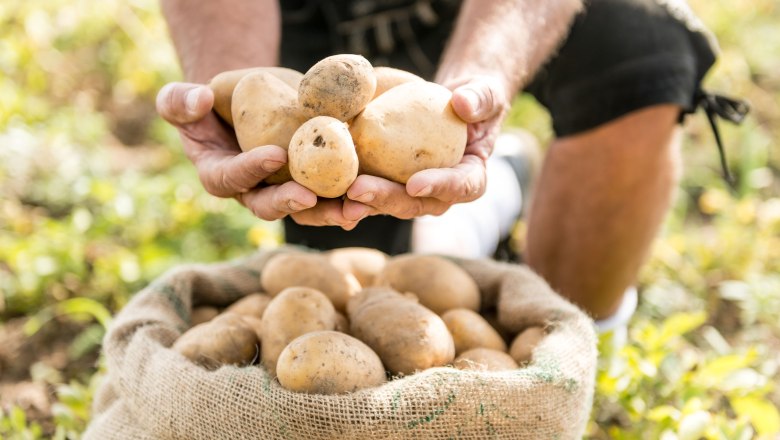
152,392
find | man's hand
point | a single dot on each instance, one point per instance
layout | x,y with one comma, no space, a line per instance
481,102
225,171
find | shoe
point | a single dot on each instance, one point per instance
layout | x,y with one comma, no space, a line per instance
521,151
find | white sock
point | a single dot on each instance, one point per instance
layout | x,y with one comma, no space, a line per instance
618,323
473,230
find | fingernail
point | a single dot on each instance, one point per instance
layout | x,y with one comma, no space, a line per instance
295,206
191,99
425,192
271,165
471,96
365,197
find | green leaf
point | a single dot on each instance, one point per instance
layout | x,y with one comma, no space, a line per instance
762,413
680,324
86,305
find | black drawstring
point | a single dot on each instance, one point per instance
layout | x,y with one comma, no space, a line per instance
733,110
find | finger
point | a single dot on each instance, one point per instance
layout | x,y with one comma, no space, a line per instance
462,183
277,201
478,100
184,103
356,211
327,212
391,198
224,173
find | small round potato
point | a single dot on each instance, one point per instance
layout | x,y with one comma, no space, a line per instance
407,129
328,362
292,313
389,77
224,83
363,263
322,157
406,336
522,347
439,283
339,86
485,359
203,314
470,330
265,112
227,339
309,270
253,304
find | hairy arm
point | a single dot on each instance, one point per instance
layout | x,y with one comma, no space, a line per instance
507,40
495,48
214,36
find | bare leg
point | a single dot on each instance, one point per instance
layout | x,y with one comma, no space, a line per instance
599,202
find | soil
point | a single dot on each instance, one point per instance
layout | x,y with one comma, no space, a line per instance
19,352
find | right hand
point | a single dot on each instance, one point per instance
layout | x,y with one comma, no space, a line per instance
226,171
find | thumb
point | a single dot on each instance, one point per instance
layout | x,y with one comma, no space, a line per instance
184,103
478,100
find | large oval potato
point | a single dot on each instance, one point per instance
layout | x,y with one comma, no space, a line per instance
224,83
293,312
389,77
265,112
328,362
470,330
322,157
309,270
339,86
407,336
226,339
407,129
439,284
485,359
363,263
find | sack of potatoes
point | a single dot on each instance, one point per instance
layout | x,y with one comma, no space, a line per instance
341,118
347,344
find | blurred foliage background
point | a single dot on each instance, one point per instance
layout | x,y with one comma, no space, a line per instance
97,199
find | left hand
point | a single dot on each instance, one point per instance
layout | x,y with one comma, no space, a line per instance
481,102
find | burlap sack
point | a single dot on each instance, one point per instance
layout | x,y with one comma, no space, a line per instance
151,392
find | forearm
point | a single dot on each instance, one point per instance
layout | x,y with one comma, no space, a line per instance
506,39
214,36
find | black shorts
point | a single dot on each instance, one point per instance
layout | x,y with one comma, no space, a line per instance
620,56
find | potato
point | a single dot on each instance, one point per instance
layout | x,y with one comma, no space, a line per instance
363,263
388,77
470,330
373,294
328,362
227,339
265,112
485,359
342,323
522,347
255,324
224,83
322,157
309,270
440,284
253,304
203,314
407,129
293,312
339,86
406,336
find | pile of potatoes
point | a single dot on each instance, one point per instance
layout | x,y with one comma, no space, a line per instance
343,117
348,319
